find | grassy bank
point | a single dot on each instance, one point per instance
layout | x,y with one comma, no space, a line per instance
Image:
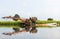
17,23
9,23
47,21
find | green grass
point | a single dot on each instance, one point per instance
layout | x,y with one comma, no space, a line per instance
16,23
9,26
19,27
44,21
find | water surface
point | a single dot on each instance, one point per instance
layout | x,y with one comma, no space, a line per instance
43,33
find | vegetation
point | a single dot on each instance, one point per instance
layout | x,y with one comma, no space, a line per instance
14,22
16,16
50,19
44,22
17,22
9,23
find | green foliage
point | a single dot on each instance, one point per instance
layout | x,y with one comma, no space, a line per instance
50,19
17,23
44,21
9,23
16,16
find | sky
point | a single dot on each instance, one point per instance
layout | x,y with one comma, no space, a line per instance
42,9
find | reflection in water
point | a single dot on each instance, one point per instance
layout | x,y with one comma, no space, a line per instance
43,33
17,30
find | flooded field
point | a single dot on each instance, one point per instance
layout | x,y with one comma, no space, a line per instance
43,33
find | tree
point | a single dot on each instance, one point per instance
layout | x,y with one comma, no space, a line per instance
50,19
16,16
